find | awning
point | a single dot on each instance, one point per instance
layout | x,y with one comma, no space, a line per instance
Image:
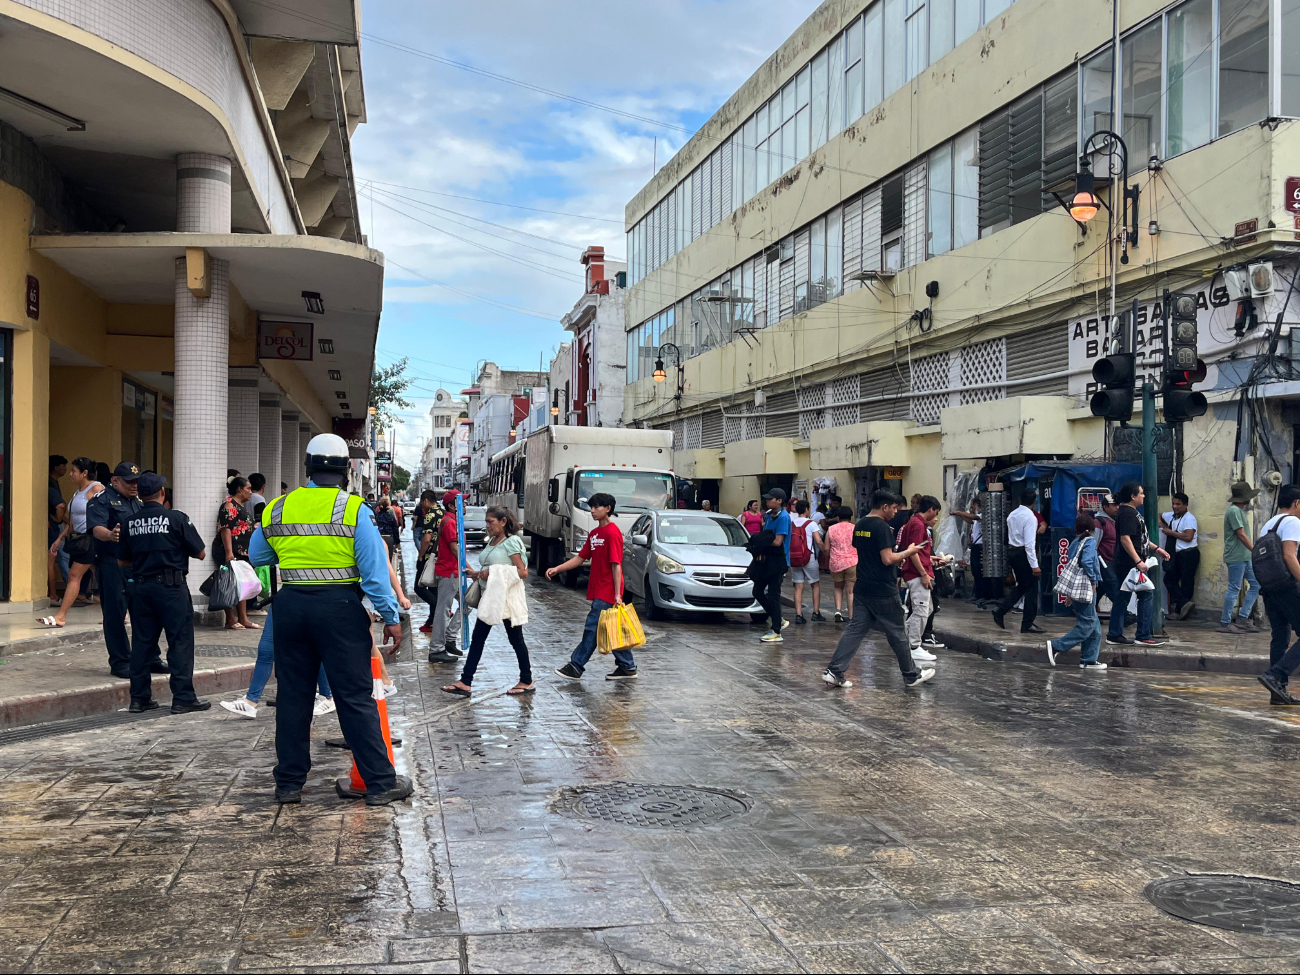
269,271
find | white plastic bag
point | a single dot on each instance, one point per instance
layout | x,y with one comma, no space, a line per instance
250,586
1137,580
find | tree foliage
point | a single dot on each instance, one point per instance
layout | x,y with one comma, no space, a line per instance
401,479
386,389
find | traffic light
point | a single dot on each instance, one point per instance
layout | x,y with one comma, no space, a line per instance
1183,367
1115,374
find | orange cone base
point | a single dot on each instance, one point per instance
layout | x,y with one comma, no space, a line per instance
353,786
345,790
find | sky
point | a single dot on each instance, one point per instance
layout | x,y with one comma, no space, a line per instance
552,174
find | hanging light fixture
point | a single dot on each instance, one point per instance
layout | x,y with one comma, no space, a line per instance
1084,205
659,373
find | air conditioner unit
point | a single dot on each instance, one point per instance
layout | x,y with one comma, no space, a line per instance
1236,280
1261,279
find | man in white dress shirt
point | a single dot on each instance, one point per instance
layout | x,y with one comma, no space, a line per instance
1022,550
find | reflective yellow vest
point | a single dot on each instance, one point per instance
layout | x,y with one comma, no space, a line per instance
311,530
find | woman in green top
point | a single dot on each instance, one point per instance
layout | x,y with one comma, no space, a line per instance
504,547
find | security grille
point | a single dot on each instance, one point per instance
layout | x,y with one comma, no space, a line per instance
755,427
692,434
930,372
711,430
1040,352
887,389
812,409
678,428
781,423
734,429
845,393
984,365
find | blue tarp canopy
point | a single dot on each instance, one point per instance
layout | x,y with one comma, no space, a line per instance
1067,479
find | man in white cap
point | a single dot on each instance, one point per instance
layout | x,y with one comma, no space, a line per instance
329,552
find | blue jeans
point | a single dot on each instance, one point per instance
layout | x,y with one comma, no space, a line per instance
1146,603
587,646
265,658
1086,633
1236,572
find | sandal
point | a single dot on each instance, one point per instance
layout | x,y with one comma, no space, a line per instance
455,691
49,621
235,626
519,690
250,625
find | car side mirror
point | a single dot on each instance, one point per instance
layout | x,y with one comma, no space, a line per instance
641,539
553,489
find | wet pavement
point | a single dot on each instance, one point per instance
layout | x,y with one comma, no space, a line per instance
1005,817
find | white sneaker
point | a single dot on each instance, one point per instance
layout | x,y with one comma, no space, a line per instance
784,624
920,653
926,674
831,679
1095,665
324,705
241,706
933,644
1051,654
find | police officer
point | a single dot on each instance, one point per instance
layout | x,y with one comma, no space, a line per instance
105,513
154,550
329,552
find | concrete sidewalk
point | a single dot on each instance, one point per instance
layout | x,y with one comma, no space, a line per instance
1192,645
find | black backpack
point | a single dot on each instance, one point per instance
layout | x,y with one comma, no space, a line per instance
1269,563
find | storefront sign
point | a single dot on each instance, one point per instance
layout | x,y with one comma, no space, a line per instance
1293,194
894,473
33,298
284,340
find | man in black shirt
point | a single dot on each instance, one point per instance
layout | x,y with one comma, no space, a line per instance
875,595
154,550
1132,546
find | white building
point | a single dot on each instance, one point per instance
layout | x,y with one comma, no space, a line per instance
593,390
437,460
498,403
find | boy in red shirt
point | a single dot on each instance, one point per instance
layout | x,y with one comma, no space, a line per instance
446,566
604,547
918,571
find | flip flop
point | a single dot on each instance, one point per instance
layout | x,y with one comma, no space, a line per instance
455,691
520,691
49,621
252,626
235,626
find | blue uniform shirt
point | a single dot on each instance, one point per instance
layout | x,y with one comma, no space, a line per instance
370,552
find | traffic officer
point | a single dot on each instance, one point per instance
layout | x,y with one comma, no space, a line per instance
329,552
105,513
154,550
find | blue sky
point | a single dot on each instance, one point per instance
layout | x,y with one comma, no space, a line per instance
437,134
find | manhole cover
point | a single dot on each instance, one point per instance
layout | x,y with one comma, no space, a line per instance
1251,904
652,806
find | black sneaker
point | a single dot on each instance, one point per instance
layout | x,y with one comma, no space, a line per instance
401,790
288,797
818,618
441,657
139,707
569,672
188,707
1278,694
158,667
1152,642
621,673
799,619
1119,641
451,649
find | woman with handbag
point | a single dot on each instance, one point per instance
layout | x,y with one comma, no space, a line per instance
234,530
74,538
504,548
1078,584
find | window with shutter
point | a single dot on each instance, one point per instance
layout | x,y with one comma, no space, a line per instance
1060,136
786,308
773,292
995,158
891,206
1025,176
697,209
852,242
760,292
711,433
802,268
779,422
871,229
914,213
887,388
724,198
715,198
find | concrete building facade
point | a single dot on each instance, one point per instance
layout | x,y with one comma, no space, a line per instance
592,393
183,282
437,460
499,401
864,259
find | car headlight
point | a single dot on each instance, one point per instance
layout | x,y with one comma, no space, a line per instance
668,566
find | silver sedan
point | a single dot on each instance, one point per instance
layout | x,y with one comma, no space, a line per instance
689,560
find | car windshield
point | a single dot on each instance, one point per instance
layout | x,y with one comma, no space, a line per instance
632,490
701,530
475,514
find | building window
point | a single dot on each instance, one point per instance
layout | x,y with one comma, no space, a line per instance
1141,83
1290,57
1190,97
918,43
895,45
1243,63
941,28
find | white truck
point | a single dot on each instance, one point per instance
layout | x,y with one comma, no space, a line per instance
565,465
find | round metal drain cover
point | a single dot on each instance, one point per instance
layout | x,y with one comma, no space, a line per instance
653,806
1255,905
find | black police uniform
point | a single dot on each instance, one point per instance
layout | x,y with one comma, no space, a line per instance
109,509
159,543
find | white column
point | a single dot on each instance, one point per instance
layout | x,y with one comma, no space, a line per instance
242,428
269,440
202,352
291,459
304,438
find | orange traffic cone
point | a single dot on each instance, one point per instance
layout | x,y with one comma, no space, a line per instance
353,786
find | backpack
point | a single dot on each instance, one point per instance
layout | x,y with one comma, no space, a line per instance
800,554
1268,561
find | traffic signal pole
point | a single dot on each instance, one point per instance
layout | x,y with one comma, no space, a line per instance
1151,505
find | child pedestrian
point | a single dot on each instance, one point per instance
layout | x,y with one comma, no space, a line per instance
604,547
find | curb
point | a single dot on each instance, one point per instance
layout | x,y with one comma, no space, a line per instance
111,695
1138,658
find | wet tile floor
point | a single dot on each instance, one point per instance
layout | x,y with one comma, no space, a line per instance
1005,817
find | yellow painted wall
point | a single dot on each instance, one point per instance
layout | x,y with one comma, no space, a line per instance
85,415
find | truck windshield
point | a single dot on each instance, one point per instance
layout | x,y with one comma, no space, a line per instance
632,490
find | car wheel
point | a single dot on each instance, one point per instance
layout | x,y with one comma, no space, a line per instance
652,608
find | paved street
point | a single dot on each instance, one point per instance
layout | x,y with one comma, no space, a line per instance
1004,817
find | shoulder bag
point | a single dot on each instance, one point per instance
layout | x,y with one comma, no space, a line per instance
1269,562
1073,582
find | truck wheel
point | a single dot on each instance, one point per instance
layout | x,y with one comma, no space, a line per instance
538,555
652,609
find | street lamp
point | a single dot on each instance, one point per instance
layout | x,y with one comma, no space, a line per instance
1084,204
659,373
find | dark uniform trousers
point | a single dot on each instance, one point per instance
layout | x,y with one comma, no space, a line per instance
113,606
156,608
315,625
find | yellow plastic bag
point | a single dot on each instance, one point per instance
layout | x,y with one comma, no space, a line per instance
619,628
